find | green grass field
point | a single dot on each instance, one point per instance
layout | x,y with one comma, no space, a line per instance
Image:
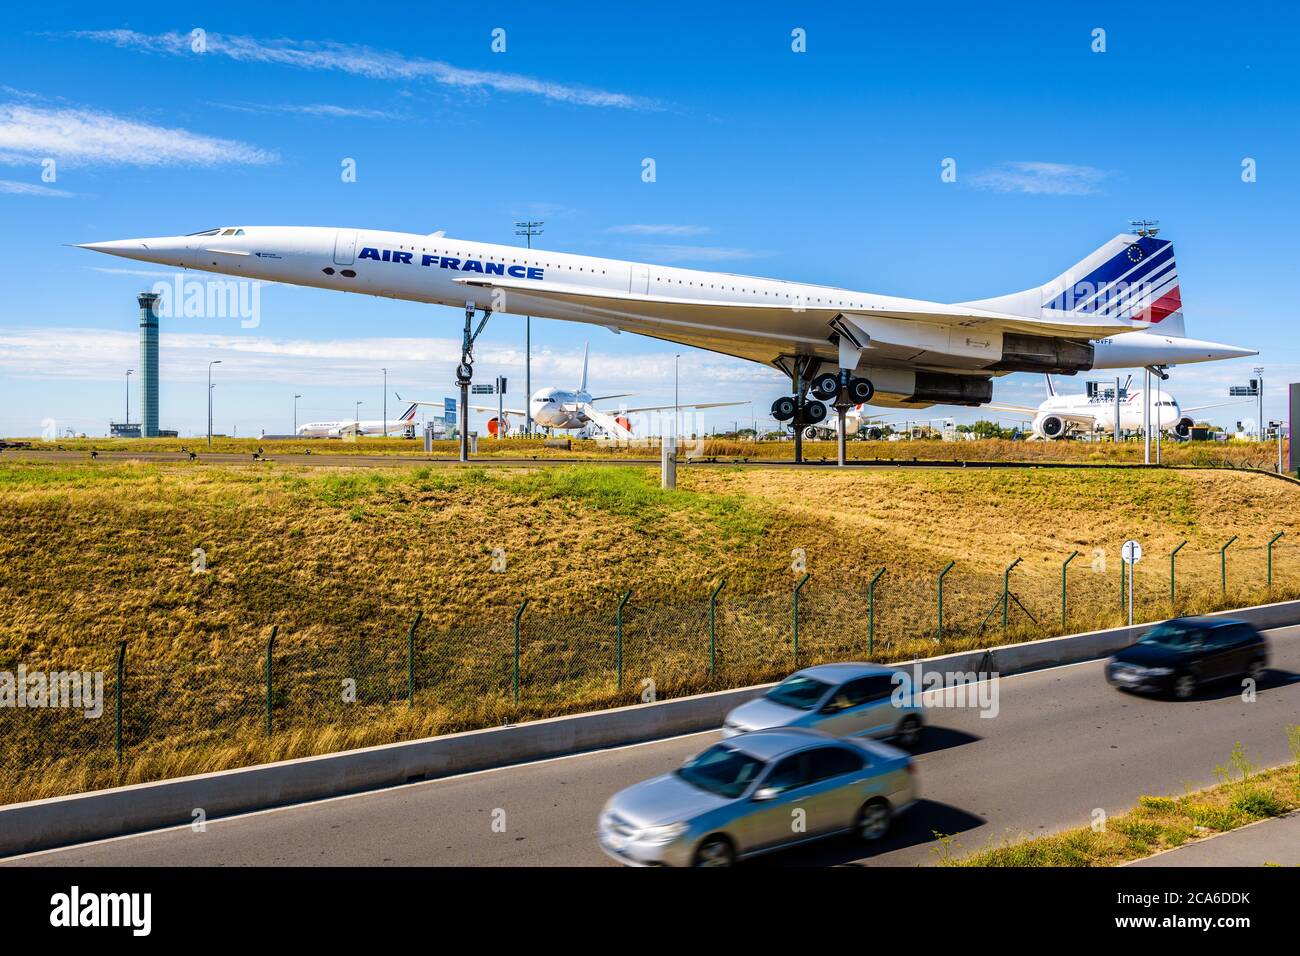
340,560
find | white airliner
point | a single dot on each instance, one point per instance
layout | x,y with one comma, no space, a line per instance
566,409
1117,308
1059,415
374,426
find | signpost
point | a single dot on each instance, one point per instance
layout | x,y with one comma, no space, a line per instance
1132,554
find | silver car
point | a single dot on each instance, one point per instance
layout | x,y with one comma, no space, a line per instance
846,700
755,793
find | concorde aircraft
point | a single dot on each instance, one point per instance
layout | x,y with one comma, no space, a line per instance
1117,308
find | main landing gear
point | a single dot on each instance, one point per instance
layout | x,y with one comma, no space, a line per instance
841,389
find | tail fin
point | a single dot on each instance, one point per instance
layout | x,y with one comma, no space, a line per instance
582,386
409,414
1051,389
1130,277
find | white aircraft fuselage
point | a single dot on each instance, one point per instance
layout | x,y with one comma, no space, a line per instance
916,353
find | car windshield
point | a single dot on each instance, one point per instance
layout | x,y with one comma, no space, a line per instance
722,770
1173,634
800,691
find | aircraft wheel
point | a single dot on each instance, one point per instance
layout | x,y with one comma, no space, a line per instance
783,409
826,386
860,390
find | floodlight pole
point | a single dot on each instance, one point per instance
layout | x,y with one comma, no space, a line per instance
1117,408
210,364
528,229
1146,418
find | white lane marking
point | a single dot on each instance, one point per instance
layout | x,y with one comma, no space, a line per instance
349,796
475,773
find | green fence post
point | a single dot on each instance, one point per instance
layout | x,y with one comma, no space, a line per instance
941,576
1123,586
270,647
618,619
1271,542
1066,564
121,676
1173,594
871,613
1006,593
713,606
797,588
1223,564
518,614
410,660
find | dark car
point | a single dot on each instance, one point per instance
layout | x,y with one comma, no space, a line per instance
1181,655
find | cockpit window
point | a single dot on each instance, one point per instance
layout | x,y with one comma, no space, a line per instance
229,232
207,232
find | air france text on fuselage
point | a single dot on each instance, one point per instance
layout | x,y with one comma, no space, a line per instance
452,262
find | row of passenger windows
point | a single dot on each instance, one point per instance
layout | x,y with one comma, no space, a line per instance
547,265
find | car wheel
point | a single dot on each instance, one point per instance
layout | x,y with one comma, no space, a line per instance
715,851
873,820
909,733
1184,686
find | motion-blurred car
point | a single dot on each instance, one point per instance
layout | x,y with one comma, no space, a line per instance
756,793
846,700
1180,656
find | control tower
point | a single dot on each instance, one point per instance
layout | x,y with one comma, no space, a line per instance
148,364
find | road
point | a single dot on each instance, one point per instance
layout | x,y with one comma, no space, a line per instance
1275,841
1063,743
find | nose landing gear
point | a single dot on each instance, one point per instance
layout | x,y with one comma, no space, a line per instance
465,373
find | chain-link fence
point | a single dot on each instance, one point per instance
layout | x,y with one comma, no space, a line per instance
104,713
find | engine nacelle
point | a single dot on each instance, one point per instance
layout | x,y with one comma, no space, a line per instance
1183,428
941,388
1049,426
1041,353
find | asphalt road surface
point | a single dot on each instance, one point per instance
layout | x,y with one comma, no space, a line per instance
1063,743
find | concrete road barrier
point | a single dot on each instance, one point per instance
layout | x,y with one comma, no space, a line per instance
59,821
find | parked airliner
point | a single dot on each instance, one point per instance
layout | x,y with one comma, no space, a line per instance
567,409
1117,308
373,426
1059,415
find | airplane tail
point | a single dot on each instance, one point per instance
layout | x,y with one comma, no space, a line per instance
582,386
1131,278
409,415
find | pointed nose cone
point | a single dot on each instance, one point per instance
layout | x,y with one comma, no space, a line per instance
170,251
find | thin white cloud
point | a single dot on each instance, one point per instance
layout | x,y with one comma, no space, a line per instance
32,189
658,229
666,252
1041,179
29,134
328,110
361,61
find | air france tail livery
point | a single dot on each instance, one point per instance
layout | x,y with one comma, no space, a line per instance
1120,307
374,426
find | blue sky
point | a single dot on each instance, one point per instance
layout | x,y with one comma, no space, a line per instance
821,166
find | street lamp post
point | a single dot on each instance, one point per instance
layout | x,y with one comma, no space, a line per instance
295,413
128,396
677,424
356,418
210,364
528,229
385,371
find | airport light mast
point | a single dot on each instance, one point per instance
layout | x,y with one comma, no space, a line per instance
385,431
528,229
128,396
295,413
210,364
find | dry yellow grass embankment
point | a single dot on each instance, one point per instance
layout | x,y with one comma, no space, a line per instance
341,559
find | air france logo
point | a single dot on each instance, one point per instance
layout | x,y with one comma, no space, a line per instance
451,262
